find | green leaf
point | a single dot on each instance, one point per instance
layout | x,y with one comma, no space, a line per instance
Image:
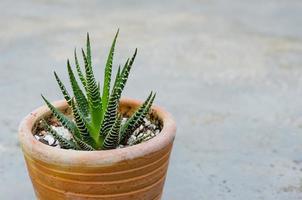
112,138
64,143
78,94
116,87
111,112
124,76
81,124
63,89
67,123
93,93
117,77
88,50
80,73
110,115
83,146
107,74
137,118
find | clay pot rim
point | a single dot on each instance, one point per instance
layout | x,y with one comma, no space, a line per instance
53,155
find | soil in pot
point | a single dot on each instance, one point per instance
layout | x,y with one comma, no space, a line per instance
150,127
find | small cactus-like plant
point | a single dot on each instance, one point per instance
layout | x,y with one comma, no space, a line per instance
96,123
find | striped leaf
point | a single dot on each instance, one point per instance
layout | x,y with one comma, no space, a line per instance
82,145
88,50
80,73
137,118
67,123
111,111
117,76
93,93
64,143
112,138
81,124
110,115
79,95
116,87
107,74
124,76
63,89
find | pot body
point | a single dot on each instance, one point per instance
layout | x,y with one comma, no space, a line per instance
133,173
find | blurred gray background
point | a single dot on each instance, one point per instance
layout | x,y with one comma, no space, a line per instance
229,71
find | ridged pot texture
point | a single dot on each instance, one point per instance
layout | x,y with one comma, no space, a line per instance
132,173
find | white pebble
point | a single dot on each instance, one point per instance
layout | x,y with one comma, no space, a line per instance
147,122
49,139
149,132
136,132
124,121
63,132
147,138
152,126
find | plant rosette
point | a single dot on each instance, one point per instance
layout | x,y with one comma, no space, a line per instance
90,165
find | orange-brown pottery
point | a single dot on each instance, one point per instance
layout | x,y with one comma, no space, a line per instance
133,173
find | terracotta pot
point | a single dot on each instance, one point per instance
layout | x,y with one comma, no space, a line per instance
132,173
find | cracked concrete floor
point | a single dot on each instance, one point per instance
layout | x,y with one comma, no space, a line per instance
229,71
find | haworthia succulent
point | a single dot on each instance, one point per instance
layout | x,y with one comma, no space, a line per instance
96,124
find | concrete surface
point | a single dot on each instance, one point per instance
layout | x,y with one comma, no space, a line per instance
229,71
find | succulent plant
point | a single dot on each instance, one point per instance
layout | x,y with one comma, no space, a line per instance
96,123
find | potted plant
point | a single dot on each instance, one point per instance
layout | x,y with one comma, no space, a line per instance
93,146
